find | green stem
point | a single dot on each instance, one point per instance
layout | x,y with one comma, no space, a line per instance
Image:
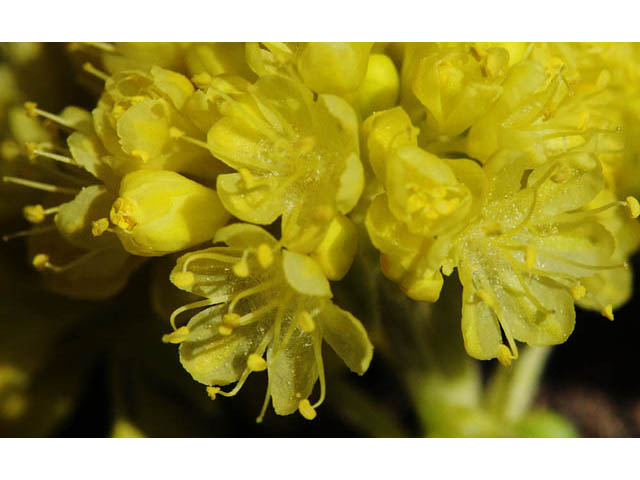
512,389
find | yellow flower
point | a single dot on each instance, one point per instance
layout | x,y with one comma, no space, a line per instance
294,157
159,212
547,110
526,245
455,85
325,67
137,118
262,298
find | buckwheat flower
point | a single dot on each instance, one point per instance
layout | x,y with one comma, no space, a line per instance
294,157
268,309
548,110
523,237
135,119
159,212
325,67
451,85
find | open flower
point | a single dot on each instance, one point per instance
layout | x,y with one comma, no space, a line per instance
135,119
295,157
261,300
526,247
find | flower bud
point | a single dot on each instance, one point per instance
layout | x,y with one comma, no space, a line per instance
160,212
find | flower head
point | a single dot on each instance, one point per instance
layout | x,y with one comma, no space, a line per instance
295,157
268,309
526,245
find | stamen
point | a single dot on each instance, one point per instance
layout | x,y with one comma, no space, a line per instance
177,134
41,261
607,312
28,233
37,213
40,186
89,68
122,214
265,255
578,291
212,392
98,227
33,151
256,363
225,330
306,410
248,292
504,355
317,352
177,336
209,256
241,269
265,403
634,206
190,306
33,111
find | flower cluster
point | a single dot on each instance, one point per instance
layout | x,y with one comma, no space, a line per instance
514,164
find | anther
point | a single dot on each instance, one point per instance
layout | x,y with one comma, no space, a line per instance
265,255
305,320
177,336
306,410
241,269
183,279
224,330
530,257
231,320
256,363
33,213
98,227
504,355
634,206
41,261
202,80
607,312
122,214
578,291
212,392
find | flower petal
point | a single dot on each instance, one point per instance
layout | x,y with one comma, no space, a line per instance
305,275
346,335
215,359
292,370
263,203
